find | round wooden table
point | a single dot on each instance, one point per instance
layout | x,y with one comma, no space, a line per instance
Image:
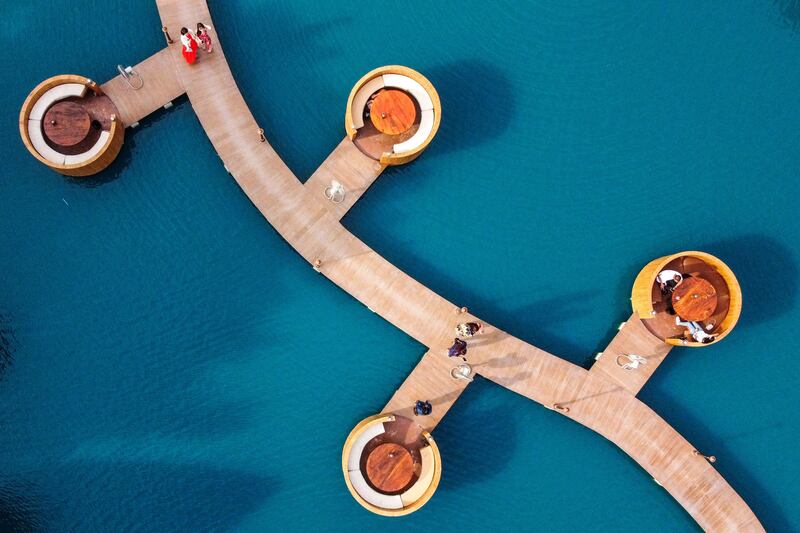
694,299
392,112
67,123
390,467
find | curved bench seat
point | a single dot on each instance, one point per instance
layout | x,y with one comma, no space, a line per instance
354,459
412,86
360,100
425,478
93,151
59,92
384,501
419,138
38,142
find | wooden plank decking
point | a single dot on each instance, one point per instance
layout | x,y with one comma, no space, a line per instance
161,86
350,167
429,381
633,338
303,218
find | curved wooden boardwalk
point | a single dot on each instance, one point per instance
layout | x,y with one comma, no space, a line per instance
597,399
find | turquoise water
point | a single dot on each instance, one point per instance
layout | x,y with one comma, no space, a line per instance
160,365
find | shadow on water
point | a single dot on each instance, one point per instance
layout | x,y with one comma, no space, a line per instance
735,472
477,104
167,497
540,322
475,423
18,510
767,273
790,9
120,164
7,342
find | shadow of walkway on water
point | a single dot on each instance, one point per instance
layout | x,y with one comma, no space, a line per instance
152,496
20,509
7,342
790,10
542,322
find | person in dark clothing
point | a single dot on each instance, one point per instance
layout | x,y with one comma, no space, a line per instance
423,408
458,349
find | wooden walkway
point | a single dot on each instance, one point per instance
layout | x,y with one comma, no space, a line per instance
633,338
161,86
429,381
350,167
302,216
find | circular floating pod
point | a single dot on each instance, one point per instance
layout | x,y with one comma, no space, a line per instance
687,299
393,113
391,466
69,125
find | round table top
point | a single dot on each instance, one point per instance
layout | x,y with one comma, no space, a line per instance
694,299
66,123
392,111
390,467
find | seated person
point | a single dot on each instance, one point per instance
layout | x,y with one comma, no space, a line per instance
368,107
695,331
667,281
422,408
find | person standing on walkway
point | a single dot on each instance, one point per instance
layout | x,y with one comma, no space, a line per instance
458,349
205,38
190,44
469,329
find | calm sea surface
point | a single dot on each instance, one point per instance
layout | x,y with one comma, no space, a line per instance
167,362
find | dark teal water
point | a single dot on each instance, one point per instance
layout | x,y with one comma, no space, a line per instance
157,368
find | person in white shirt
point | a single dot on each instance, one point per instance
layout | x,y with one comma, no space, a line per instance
695,331
667,280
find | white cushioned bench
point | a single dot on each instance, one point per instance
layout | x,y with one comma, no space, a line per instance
412,86
360,100
425,128
93,151
59,92
425,478
37,139
384,501
354,459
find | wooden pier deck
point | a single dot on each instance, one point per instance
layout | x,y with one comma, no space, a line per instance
633,338
349,166
161,86
304,219
429,381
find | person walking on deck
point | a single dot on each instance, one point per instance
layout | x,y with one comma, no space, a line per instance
469,329
190,44
205,38
458,349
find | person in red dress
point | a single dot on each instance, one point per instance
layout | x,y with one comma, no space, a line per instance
190,44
